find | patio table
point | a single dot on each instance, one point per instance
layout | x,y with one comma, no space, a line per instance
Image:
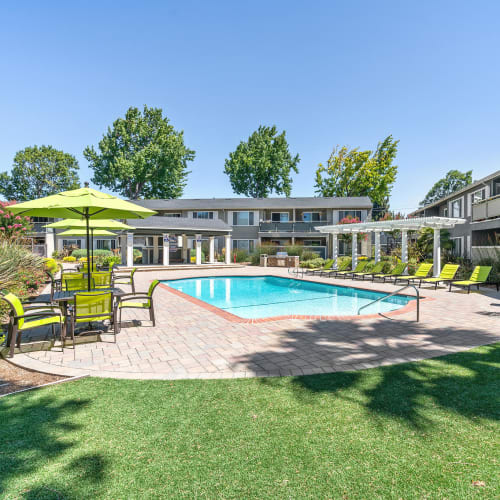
64,298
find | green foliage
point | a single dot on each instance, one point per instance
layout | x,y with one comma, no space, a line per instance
313,263
294,250
350,172
192,255
16,260
137,255
110,259
425,243
69,258
308,255
82,252
38,172
51,265
241,256
453,181
141,156
262,164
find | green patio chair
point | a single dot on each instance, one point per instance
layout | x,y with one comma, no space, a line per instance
126,279
422,272
92,306
376,269
102,280
76,282
128,301
328,265
447,274
25,317
397,270
340,269
478,277
358,269
55,284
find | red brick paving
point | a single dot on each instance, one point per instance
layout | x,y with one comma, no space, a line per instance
191,341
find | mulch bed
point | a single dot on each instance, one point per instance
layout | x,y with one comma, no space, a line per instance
13,378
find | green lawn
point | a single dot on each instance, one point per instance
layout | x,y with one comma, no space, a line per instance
419,430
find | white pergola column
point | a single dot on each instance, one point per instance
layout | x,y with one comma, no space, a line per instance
404,246
354,250
130,249
228,248
198,249
166,249
335,249
437,252
211,246
377,246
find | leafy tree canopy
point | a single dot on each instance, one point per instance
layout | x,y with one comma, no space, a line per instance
39,171
262,164
141,156
350,172
451,182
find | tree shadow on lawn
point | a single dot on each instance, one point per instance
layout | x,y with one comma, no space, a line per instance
466,383
35,431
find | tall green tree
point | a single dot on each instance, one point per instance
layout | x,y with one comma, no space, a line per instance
141,156
451,182
262,164
39,171
350,172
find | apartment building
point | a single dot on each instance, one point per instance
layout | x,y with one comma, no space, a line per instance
479,204
264,221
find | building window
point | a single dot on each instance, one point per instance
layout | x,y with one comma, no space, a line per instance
246,245
71,243
173,215
312,243
353,214
280,216
456,208
478,195
105,244
311,216
445,212
203,215
457,247
242,218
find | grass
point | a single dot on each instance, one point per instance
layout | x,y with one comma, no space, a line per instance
418,430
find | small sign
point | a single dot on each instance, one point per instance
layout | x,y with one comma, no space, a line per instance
198,240
166,239
130,238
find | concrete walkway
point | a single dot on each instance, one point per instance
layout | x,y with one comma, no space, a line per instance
190,341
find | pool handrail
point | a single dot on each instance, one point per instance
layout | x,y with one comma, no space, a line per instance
390,295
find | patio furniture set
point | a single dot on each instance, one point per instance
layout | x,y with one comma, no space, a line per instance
70,304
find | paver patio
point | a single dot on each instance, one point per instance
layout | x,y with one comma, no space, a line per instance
190,341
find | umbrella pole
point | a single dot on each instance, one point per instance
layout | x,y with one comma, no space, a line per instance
92,245
88,249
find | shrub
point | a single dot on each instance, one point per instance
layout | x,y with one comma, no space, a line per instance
295,250
50,265
82,252
193,255
13,227
310,264
106,261
308,255
137,255
241,256
69,258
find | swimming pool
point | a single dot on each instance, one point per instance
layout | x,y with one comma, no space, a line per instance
253,297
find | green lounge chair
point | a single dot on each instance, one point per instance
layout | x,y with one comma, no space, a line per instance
343,267
478,277
377,268
328,265
447,274
24,317
397,270
359,268
422,272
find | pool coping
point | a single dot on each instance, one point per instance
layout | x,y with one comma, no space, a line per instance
411,306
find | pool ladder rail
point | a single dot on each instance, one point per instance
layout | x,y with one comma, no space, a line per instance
390,295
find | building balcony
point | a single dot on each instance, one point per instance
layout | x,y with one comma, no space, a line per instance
291,227
486,209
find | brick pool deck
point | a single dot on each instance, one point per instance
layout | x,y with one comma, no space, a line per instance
190,341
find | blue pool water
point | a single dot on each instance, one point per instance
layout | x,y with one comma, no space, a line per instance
266,296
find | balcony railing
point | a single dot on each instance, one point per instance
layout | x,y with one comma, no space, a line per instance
291,227
486,209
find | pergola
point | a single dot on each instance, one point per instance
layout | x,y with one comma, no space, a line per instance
403,225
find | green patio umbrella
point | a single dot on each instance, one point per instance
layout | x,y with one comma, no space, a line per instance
93,224
83,204
83,232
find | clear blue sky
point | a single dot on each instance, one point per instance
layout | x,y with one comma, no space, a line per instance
332,72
